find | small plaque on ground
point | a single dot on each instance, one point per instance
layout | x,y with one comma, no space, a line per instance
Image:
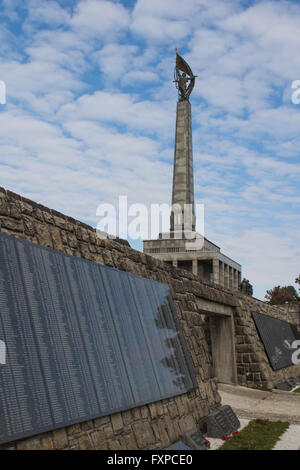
284,386
292,382
194,439
232,417
218,424
179,446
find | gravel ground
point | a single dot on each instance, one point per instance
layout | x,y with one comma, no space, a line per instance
290,440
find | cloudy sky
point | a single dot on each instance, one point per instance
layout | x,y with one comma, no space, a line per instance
90,114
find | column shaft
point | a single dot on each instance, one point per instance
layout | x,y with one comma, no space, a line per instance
195,267
183,178
226,275
216,273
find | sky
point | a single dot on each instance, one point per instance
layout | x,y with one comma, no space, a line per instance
90,115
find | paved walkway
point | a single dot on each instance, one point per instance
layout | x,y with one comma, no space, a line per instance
290,440
251,403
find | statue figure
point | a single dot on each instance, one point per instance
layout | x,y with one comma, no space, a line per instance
182,84
183,74
246,288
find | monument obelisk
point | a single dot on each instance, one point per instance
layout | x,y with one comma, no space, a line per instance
183,177
182,246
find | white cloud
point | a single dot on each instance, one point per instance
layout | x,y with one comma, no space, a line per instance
173,20
268,259
99,18
158,29
46,12
38,139
120,108
133,78
40,85
115,59
8,9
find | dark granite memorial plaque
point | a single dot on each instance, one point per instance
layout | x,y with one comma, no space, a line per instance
284,386
218,425
194,439
292,382
232,417
277,337
82,340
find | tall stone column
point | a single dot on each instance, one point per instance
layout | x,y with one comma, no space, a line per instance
230,277
222,281
216,274
239,279
236,280
226,275
195,267
183,178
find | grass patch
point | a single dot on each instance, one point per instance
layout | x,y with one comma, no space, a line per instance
297,390
260,434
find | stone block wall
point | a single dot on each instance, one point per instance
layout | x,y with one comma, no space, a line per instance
292,313
148,427
253,366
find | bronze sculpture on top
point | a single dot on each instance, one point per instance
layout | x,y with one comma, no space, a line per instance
182,75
